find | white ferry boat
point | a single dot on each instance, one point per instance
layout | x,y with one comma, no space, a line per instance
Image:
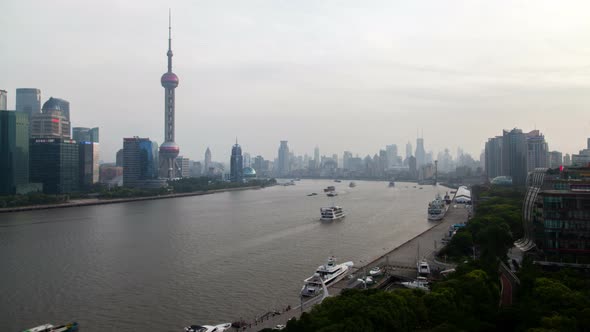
208,328
329,273
331,213
437,209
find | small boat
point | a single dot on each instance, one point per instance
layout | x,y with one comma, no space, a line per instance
70,327
332,194
391,183
328,274
312,194
338,181
329,189
419,283
331,213
376,271
423,268
208,328
352,184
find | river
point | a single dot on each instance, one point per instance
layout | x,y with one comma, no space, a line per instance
165,264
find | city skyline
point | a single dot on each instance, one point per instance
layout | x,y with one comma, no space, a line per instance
352,83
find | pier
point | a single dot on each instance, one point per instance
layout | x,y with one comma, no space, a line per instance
398,263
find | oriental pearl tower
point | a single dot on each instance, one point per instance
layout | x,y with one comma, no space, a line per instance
169,149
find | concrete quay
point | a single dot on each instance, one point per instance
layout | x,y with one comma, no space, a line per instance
400,262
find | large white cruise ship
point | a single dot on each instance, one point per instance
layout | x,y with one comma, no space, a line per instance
328,273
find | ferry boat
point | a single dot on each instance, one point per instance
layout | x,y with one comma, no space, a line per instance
328,274
332,194
437,209
208,328
70,327
447,198
331,213
329,189
338,181
352,184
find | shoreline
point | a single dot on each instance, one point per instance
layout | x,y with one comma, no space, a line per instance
98,201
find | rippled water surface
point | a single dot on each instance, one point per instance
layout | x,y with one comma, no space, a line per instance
165,264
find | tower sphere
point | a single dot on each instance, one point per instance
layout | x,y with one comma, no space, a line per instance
169,80
169,150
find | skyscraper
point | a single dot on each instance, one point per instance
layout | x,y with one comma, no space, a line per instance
514,156
14,151
420,153
3,100
316,157
28,101
207,161
391,155
55,164
236,164
169,150
555,159
493,157
51,122
283,166
57,104
408,150
537,150
140,162
82,134
88,161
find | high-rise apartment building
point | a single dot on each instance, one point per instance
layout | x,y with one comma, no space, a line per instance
283,160
537,151
493,157
54,162
236,164
514,156
140,163
28,101
14,151
89,172
3,100
83,134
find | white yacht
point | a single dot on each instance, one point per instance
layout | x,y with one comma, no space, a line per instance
423,268
329,273
420,283
331,213
376,271
208,328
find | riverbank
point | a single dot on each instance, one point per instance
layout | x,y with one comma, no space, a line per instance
98,201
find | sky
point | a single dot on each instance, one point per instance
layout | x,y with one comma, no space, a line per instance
341,75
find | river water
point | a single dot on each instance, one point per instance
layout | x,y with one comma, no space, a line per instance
165,264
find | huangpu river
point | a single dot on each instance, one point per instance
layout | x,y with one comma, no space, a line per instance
165,264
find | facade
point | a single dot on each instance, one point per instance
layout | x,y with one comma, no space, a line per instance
28,101
537,150
3,100
111,175
169,149
493,157
236,164
119,158
556,214
50,123
514,156
14,152
408,150
555,159
54,162
83,134
140,163
420,153
184,167
283,160
89,168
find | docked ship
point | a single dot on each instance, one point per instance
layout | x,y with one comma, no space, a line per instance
208,328
331,213
448,199
420,283
327,274
437,209
70,327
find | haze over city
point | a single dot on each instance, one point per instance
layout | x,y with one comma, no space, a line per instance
326,73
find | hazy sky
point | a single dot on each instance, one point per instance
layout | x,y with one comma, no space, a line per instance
343,75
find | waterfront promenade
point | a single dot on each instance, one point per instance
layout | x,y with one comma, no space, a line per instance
400,262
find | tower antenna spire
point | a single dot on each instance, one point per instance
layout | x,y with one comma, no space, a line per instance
169,40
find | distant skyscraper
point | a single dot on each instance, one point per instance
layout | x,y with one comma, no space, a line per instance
28,101
119,158
3,100
493,157
408,150
346,158
420,153
140,162
55,163
184,164
57,104
588,144
514,156
88,153
537,151
567,160
82,134
236,164
391,153
169,150
14,151
283,160
555,159
316,157
247,160
207,161
50,123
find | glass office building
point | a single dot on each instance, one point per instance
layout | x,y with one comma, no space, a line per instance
14,151
55,163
